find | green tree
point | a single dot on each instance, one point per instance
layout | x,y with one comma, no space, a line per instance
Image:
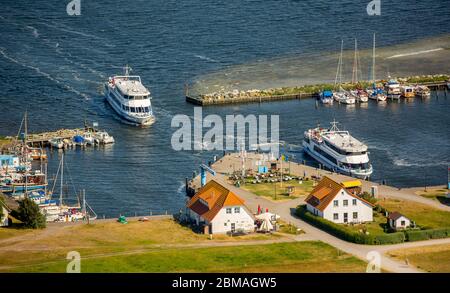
30,215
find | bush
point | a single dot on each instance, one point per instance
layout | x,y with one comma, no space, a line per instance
29,214
341,232
367,196
418,235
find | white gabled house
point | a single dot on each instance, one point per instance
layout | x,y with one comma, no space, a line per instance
219,210
331,200
398,221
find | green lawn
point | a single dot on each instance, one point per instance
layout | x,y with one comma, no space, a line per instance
424,216
439,194
433,259
311,256
374,228
278,190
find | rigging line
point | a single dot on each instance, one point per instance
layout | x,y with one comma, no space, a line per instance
71,180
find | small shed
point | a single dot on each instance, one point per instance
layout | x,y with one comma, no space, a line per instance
398,221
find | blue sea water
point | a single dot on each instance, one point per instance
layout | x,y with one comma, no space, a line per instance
54,66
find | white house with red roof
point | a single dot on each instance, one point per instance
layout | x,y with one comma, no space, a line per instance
220,210
398,221
332,201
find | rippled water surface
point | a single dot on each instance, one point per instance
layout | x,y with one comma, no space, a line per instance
54,65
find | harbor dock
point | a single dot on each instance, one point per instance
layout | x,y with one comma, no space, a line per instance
254,99
308,91
43,138
232,164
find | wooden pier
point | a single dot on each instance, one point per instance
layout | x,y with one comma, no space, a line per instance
42,139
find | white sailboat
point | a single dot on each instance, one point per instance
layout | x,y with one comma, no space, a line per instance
360,95
340,95
58,211
375,93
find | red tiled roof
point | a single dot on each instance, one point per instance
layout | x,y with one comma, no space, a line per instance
325,192
211,198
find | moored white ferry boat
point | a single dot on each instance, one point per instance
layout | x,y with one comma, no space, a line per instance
337,150
130,98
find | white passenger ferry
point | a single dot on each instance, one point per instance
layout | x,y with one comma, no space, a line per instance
129,98
337,150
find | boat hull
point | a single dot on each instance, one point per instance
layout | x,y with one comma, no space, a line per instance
143,121
325,163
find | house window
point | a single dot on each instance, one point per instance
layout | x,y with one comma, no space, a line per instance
355,215
354,201
228,210
224,224
336,203
335,216
345,202
237,210
403,223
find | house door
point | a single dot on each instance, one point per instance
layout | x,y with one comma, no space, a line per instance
345,217
233,227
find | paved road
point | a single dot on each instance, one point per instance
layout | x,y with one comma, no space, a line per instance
286,211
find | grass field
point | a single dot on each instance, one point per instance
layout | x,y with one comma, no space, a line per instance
163,246
280,257
268,189
4,142
434,258
439,194
424,216
102,237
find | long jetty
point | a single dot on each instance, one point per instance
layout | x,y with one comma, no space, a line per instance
206,100
255,99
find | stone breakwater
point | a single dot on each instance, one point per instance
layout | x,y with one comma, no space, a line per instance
306,91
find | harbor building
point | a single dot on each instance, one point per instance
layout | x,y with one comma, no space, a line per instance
332,201
219,211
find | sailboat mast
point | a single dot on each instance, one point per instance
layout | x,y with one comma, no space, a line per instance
355,64
62,175
25,151
373,59
339,67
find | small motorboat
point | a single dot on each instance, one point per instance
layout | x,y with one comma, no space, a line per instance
361,95
37,154
326,97
407,91
102,137
422,91
57,142
89,138
78,140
